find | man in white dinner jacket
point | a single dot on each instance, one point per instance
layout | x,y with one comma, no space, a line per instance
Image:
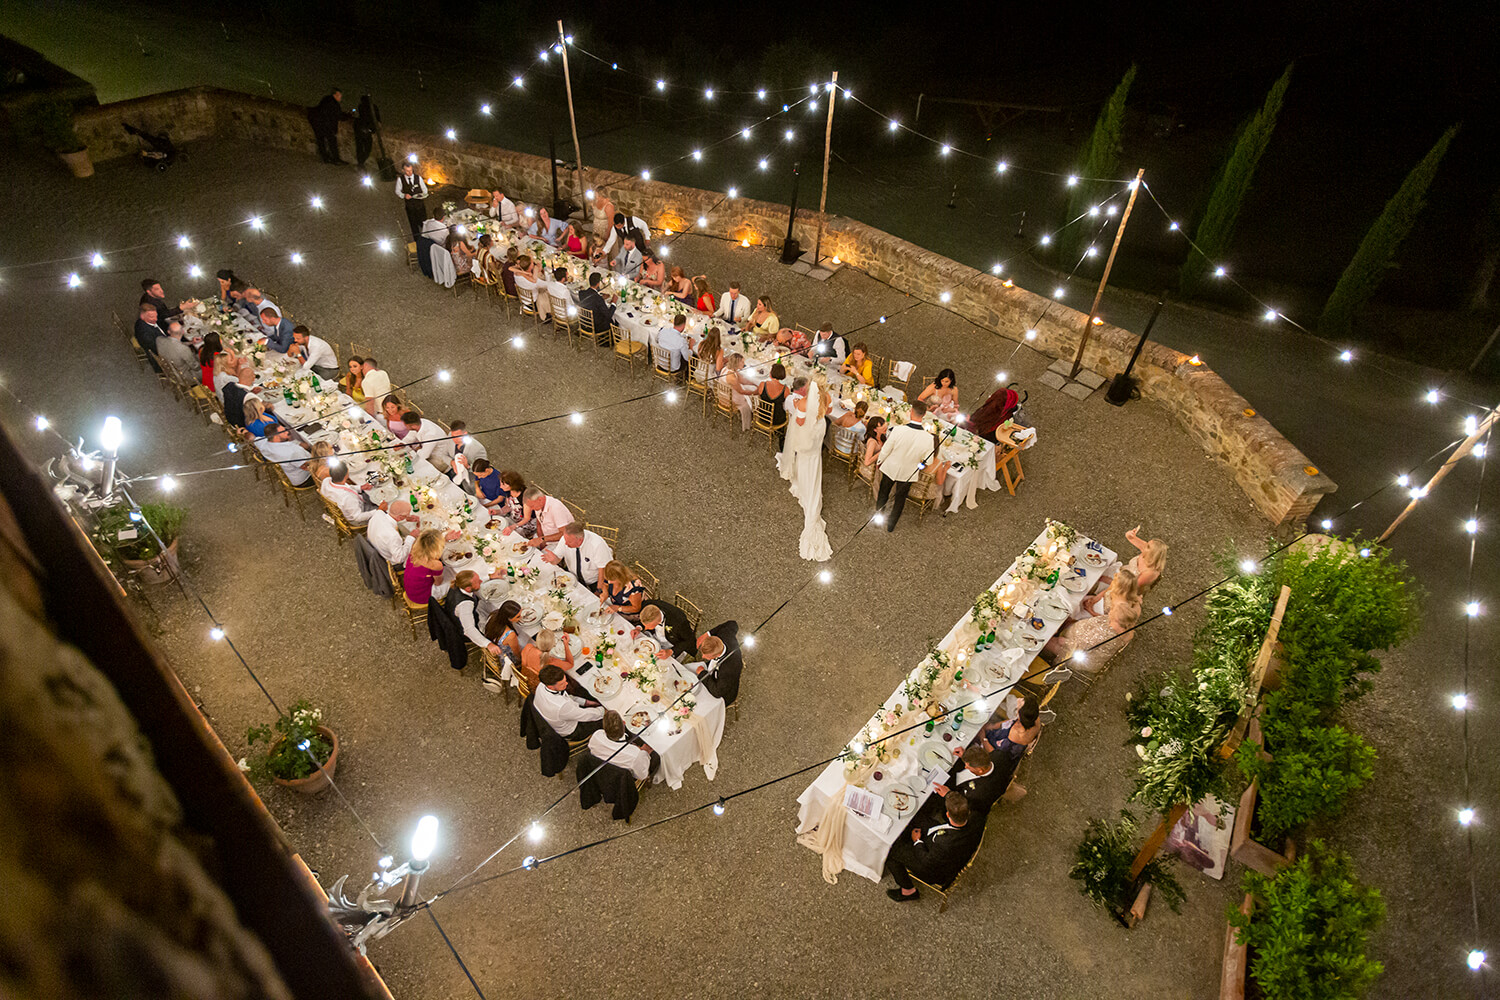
907,450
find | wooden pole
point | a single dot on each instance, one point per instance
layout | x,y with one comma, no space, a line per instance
1257,675
562,40
1088,324
1437,477
827,153
1158,837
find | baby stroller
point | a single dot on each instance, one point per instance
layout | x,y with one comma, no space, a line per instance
157,150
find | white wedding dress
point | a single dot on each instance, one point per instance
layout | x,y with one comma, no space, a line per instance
801,463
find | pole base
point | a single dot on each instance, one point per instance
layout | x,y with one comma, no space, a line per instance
1121,389
790,251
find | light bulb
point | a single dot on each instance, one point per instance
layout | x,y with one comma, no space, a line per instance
1167,611
1058,292
1346,355
256,222
1478,450
1403,480
749,641
518,342
665,251
946,149
589,195
734,192
518,82
1001,167
216,633
1327,524
111,437
1093,210
788,135
74,280
317,202
97,260
367,181
812,105
857,746
1000,376
996,268
535,832
424,840
195,271
1172,227
411,157
698,154
645,175
812,88
1471,424
877,517
945,297
1219,272
719,808
576,417
671,395
1472,609
444,374
1476,959
702,222
894,125
385,246
1081,656
1091,251
542,55
529,862
1030,334
981,705
744,133
1249,566
1460,702
484,109
1270,316
1072,180
760,95
764,164
1471,526
1364,553
183,242
1465,816
745,242
1432,396
168,484
1112,209
296,258
825,577
1045,239
661,85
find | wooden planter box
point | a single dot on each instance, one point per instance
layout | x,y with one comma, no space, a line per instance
1248,852
1236,960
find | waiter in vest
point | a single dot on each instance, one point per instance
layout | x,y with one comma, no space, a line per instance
412,191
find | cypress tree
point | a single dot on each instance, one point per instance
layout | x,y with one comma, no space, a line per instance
1378,249
1100,159
1217,224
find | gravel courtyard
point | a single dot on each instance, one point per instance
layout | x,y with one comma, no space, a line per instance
701,906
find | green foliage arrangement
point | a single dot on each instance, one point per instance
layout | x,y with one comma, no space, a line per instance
50,122
1309,929
164,518
291,745
1102,861
1101,158
1216,228
1377,251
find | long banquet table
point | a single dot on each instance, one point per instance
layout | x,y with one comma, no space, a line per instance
899,772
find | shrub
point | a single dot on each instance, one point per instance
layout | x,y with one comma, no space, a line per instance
292,743
1102,861
164,518
1308,931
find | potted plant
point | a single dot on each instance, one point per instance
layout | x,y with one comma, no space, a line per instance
138,550
1307,932
299,752
1101,864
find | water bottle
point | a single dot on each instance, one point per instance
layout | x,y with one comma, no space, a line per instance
958,720
410,468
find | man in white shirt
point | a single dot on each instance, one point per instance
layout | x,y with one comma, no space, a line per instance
570,716
422,435
828,345
624,227
458,454
733,307
384,531
906,451
412,191
376,385
552,516
557,288
436,228
465,607
628,261
279,447
673,340
344,495
611,745
581,552
503,209
317,354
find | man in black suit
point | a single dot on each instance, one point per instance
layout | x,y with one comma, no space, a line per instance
936,854
976,778
666,622
721,661
324,117
151,291
146,332
592,299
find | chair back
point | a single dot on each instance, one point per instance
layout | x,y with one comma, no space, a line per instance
661,359
765,412
691,611
845,439
648,580
604,531
578,511
698,375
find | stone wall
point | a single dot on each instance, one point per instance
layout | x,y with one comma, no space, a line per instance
1278,478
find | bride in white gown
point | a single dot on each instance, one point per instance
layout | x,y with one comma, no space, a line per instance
801,462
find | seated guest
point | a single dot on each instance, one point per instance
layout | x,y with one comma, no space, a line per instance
941,396
353,381
1123,586
741,390
258,420
279,447
854,417
422,577
733,306
486,267
1147,564
347,497
557,288
976,778
463,260
869,468
508,270
653,273
1008,739
764,321
277,329
673,340
211,348
530,290
592,299
858,365
436,228
722,662
542,651
422,435
252,301
487,485
457,445
501,629
374,384
581,552
570,241
227,291
391,531
828,344
322,451
937,853
317,354
679,287
773,391
570,716
628,261
709,352
151,291
705,297
546,228
463,604
668,625
235,298
223,375
614,745
172,350
509,503
792,340
146,332
503,208
548,516
1087,646
620,591
392,412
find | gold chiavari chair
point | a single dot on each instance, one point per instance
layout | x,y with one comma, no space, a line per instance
763,421
526,298
691,611
724,403
946,888
886,375
290,492
648,580
625,348
412,263
661,365
845,447
342,527
604,531
578,512
699,374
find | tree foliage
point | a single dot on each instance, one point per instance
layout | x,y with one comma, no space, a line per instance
1216,227
1377,251
1101,158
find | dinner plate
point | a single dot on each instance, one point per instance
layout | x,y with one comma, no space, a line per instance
492,589
1054,613
901,802
933,757
646,647
1076,580
1029,641
605,683
638,717
1093,558
528,616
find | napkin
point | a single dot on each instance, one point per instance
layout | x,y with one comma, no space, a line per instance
827,838
904,370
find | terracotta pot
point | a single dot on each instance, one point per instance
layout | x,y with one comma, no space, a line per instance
319,780
1236,960
161,569
79,163
1248,852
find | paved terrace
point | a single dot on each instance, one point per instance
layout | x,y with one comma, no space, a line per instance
703,906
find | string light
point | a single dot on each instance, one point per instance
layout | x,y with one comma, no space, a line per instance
385,246
877,517
1167,611
576,417
168,484
195,271
1172,227
444,375
1476,959
789,134
451,134
664,250
1046,238
894,125
317,201
535,832
734,192
367,181
97,260
518,342
661,85
1000,376
1072,180
216,633
411,157
518,82
1001,167
1270,316
1465,816
996,268
1346,355
1249,566
1471,424
1403,480
1472,609
764,164
256,222
296,257
1057,292
945,150
1112,209
945,297
719,807
1094,210
1031,334
812,105
708,94
484,109
744,133
183,242
74,280
1219,272
825,577
702,223
1460,702
1327,524
671,395
1471,526
645,175
760,95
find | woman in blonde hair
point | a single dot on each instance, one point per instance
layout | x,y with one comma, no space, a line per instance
422,576
257,420
322,451
1088,645
1147,564
1122,586
540,652
621,592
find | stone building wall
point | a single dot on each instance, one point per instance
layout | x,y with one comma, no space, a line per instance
1280,480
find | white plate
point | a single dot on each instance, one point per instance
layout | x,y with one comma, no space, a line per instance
933,757
492,589
645,647
528,616
1026,640
603,682
632,717
1053,613
901,802
1075,582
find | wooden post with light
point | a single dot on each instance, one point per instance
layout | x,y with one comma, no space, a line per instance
1088,323
1460,452
833,93
562,41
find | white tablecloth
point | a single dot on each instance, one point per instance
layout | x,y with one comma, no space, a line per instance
867,841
